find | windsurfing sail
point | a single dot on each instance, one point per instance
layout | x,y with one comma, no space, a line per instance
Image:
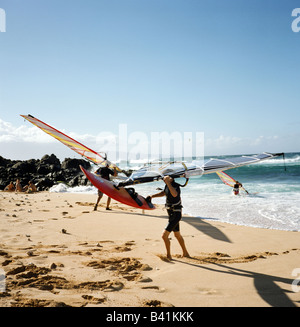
175,170
74,145
214,165
226,179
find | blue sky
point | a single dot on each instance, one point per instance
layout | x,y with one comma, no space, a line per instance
226,68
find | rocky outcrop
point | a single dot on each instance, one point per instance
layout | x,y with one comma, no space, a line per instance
44,172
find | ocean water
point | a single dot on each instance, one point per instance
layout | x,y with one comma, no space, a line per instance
274,200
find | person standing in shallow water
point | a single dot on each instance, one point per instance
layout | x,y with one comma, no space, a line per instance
236,188
174,208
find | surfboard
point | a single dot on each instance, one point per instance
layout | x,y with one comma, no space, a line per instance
124,195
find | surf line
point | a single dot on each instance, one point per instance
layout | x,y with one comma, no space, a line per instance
130,317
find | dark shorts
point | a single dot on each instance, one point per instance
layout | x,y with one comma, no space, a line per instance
174,219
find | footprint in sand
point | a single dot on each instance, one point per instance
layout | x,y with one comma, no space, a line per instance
156,304
92,299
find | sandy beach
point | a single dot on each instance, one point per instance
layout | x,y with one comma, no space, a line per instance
56,251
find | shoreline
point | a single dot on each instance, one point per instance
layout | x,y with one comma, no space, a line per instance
55,250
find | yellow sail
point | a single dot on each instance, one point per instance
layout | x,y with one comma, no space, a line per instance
226,179
74,145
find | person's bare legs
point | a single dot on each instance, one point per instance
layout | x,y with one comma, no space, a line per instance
108,203
182,244
165,237
98,200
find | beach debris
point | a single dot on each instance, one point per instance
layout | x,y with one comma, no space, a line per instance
144,279
146,267
130,243
64,231
53,266
151,287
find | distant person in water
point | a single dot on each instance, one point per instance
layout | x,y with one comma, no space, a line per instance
105,173
236,188
173,205
30,188
10,187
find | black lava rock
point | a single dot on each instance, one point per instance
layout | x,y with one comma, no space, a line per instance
45,172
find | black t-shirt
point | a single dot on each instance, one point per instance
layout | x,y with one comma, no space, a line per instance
171,200
104,172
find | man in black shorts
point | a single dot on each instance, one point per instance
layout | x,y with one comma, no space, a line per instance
105,173
173,205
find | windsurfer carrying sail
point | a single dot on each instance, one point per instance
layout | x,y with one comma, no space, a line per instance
173,205
105,173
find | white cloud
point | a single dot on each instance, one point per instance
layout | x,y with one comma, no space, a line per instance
10,133
25,142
